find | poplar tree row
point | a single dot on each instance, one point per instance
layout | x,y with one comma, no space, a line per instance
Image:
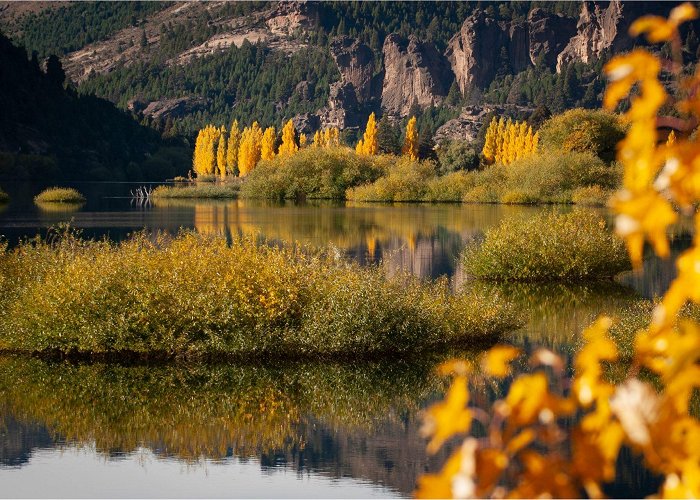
235,152
507,141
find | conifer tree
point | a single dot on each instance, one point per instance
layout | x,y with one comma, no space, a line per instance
289,145
410,145
267,149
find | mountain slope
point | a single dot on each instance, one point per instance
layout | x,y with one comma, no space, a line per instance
50,132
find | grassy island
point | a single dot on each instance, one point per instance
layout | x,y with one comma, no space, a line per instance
192,296
59,195
199,190
572,247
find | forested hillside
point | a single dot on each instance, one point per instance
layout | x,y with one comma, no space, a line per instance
178,66
49,132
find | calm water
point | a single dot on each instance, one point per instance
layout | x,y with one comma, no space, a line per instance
300,430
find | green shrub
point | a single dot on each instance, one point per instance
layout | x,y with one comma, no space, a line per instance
548,247
228,189
312,173
197,296
406,180
457,155
583,130
59,195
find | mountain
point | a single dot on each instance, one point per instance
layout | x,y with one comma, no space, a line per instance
49,132
177,66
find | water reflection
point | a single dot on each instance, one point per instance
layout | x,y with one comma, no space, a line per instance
330,419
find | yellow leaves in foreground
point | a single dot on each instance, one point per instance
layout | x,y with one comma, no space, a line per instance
525,446
449,417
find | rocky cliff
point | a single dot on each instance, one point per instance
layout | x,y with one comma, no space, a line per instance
415,73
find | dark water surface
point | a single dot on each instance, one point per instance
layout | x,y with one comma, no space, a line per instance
291,430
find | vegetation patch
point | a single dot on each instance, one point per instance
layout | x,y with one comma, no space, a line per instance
406,180
4,197
59,195
583,130
548,247
195,296
320,173
224,190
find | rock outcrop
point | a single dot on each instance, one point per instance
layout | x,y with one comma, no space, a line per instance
174,108
415,73
474,52
467,125
599,28
548,36
355,61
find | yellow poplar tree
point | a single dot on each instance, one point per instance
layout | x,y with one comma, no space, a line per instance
205,153
318,139
250,149
221,153
267,149
369,145
489,151
234,141
289,145
410,145
671,139
302,140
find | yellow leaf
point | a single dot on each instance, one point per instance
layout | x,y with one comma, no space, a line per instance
496,361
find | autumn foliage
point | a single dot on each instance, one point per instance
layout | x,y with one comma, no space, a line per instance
527,449
507,141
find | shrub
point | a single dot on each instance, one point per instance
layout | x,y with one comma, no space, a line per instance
407,180
322,173
59,195
457,155
4,197
548,247
198,296
228,189
550,177
450,187
593,131
591,196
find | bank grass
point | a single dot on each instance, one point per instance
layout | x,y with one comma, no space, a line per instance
194,296
313,173
59,195
199,190
549,177
569,247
